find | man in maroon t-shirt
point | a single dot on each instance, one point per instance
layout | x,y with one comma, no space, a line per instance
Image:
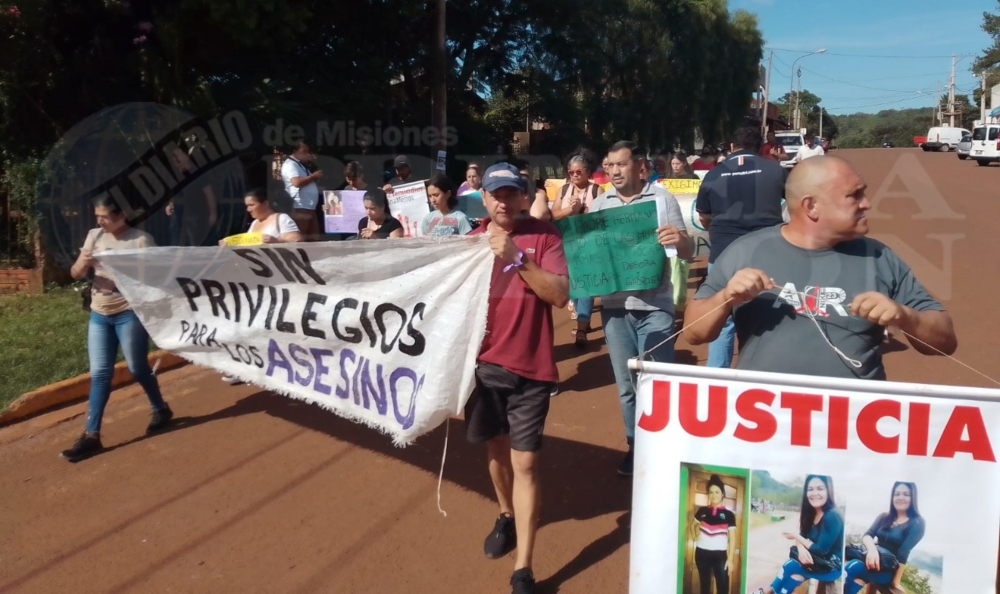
772,149
517,372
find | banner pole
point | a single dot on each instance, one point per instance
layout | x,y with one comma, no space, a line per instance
818,382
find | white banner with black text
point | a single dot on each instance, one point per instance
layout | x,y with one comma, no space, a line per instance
383,332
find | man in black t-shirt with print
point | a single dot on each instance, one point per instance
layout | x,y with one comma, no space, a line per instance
740,195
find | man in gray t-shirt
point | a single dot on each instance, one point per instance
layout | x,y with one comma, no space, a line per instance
637,321
801,292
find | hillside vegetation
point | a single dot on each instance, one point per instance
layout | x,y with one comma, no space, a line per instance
898,126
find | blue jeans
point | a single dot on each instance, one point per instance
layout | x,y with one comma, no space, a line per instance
784,583
720,350
103,337
629,333
584,307
856,570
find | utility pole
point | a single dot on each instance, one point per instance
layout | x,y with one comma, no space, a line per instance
798,94
767,95
982,96
951,94
439,76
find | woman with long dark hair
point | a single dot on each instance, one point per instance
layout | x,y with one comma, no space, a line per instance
888,543
818,547
112,324
712,528
444,220
379,224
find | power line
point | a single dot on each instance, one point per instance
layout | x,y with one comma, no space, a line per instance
939,73
877,104
844,82
778,49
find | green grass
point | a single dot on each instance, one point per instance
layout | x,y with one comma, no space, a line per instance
43,339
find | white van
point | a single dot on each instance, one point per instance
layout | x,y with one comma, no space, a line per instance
985,144
791,141
943,138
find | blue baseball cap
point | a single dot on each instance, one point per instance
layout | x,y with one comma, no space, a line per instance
503,175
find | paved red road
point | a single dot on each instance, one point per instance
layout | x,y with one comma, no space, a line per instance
253,492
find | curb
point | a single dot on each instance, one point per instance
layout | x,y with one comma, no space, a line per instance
78,388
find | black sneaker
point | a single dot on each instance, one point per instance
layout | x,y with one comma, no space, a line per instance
625,468
522,582
503,538
85,447
159,419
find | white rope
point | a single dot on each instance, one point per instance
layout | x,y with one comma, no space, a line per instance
854,362
812,316
447,430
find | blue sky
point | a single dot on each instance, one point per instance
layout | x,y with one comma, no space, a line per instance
919,35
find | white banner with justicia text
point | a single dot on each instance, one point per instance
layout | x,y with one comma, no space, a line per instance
383,332
766,482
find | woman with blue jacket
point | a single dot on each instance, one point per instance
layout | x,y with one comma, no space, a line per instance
819,544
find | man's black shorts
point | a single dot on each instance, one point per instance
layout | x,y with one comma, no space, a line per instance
506,403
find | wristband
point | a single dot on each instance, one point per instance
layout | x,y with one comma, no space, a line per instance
518,263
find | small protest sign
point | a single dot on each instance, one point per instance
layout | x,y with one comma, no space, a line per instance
613,250
244,239
408,203
343,210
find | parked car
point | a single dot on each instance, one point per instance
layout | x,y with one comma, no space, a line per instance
791,141
964,146
887,144
985,144
944,138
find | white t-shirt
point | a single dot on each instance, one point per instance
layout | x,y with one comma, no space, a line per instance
275,226
805,152
306,197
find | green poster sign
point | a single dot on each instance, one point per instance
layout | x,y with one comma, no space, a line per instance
613,250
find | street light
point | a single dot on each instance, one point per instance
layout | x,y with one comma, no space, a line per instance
791,83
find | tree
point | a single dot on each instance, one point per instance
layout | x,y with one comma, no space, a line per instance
990,58
810,108
915,583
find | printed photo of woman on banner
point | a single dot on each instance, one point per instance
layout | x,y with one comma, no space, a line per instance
883,555
813,563
713,536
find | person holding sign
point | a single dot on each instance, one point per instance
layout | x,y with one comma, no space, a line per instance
887,544
379,224
113,323
354,177
812,296
516,371
817,548
712,528
274,227
639,321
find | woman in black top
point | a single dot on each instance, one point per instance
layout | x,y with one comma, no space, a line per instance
379,224
895,532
